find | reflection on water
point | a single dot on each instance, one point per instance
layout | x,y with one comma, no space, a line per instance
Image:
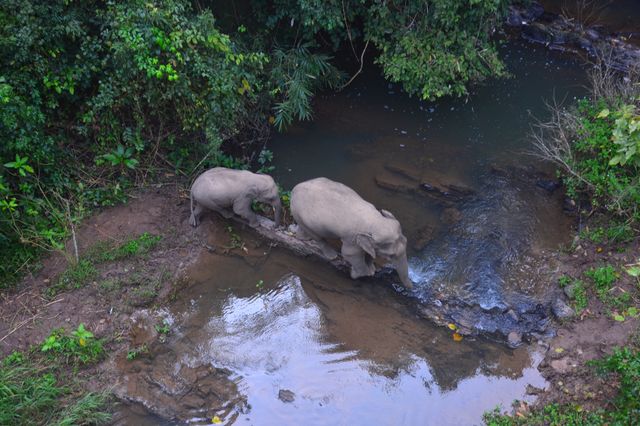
350,354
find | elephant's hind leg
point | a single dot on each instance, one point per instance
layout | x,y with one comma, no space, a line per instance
194,220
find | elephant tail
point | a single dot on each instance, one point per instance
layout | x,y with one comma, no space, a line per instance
192,219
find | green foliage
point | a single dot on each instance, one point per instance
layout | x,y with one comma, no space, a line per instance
433,48
31,393
604,162
80,347
75,276
136,352
137,246
603,277
625,409
296,74
625,364
552,415
579,297
626,134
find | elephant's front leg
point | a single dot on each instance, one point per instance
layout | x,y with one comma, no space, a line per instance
353,254
242,207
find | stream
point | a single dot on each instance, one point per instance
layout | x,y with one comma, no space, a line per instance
278,339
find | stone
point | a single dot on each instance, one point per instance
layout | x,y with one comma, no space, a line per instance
570,291
533,390
514,339
424,237
561,365
286,396
451,216
561,310
548,185
394,182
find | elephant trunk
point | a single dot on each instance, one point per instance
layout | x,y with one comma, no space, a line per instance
402,267
277,211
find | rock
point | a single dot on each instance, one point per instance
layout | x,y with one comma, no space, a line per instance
537,33
561,310
568,205
514,339
424,236
394,182
561,365
548,185
404,170
533,390
570,291
451,216
286,395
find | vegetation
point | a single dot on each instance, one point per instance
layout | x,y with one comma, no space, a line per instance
597,146
36,389
96,96
623,365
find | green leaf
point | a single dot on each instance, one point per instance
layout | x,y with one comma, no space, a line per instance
604,113
618,317
634,271
632,311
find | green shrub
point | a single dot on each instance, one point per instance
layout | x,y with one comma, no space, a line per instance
79,347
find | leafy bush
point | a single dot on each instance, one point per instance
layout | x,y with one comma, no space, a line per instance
597,145
78,347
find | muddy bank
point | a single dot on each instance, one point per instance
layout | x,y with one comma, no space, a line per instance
558,32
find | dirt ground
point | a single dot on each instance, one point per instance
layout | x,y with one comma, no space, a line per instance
28,314
594,333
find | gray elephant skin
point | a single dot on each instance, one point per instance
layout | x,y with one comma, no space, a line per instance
229,191
324,209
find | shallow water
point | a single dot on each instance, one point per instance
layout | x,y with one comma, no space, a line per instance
351,354
358,134
355,352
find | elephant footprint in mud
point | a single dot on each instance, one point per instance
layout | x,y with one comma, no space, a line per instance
324,209
229,191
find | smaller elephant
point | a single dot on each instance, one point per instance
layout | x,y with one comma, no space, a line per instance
324,209
221,189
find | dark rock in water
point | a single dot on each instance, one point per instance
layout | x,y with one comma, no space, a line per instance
561,310
532,390
394,182
548,185
451,216
514,339
424,236
286,395
569,206
556,32
537,33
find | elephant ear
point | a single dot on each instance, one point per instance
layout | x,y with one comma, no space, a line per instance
366,243
387,214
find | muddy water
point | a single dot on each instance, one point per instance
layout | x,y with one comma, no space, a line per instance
275,339
615,15
348,353
366,135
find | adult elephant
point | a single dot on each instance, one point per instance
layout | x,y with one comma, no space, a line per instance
229,191
324,209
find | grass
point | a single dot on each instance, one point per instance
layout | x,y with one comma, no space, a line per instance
623,366
36,388
579,298
85,271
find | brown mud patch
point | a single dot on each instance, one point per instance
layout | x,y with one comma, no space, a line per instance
594,333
